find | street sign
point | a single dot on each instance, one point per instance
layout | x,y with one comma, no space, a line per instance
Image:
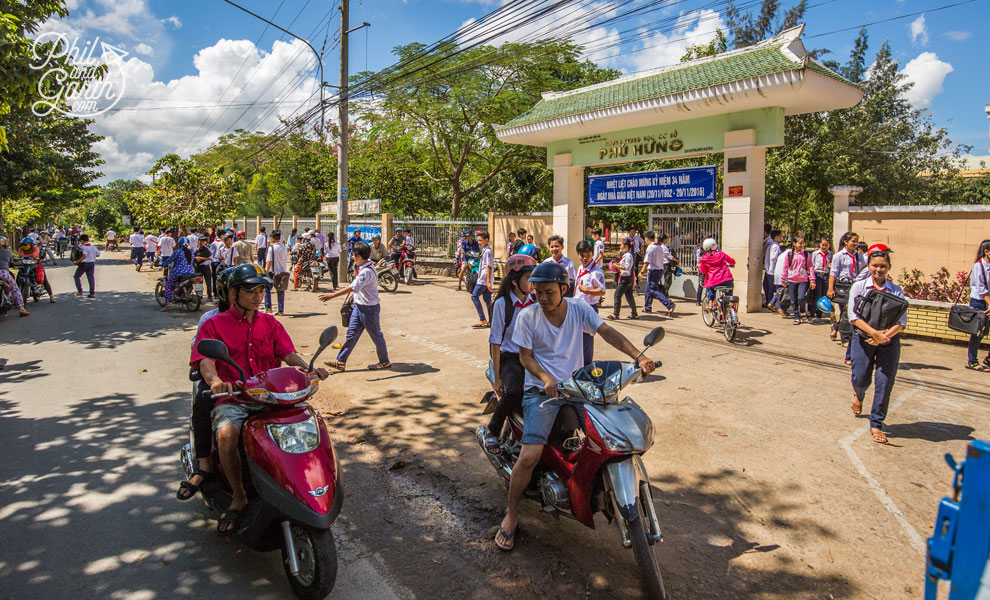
668,186
354,207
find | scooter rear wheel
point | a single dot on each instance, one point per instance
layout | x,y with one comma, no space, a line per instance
317,556
192,300
388,281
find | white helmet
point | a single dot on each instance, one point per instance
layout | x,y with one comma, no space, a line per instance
708,244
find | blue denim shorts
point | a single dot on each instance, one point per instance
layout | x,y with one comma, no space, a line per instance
539,413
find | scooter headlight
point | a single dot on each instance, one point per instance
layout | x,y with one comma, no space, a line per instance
592,392
296,438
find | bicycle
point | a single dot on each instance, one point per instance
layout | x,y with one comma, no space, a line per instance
724,312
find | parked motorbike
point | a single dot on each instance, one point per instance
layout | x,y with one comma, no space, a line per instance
388,276
6,297
27,278
188,291
473,260
592,462
310,275
408,263
290,472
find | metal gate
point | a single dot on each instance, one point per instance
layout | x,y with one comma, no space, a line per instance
686,230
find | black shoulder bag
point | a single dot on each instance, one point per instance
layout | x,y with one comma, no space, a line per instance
881,309
966,319
346,309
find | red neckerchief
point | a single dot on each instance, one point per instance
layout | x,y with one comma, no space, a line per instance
824,259
519,304
87,244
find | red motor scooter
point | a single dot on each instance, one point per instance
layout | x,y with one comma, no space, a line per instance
289,468
592,462
407,265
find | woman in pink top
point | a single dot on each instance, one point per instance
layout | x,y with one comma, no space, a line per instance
714,265
798,276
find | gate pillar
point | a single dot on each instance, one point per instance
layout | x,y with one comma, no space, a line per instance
743,200
568,203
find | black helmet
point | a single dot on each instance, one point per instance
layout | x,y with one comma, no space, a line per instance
248,275
549,272
223,281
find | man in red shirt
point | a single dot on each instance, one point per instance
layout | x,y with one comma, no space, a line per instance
257,342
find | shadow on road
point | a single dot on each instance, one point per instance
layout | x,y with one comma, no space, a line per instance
929,431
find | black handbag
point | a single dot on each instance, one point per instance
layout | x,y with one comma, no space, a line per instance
346,309
842,291
881,309
967,319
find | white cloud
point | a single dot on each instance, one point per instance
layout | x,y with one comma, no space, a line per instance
919,32
927,73
157,117
144,49
173,21
958,36
662,49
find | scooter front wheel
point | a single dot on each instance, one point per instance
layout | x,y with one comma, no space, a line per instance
388,282
646,556
317,558
160,293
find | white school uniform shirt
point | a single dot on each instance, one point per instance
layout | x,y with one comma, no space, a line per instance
498,321
278,255
229,256
595,278
978,279
668,256
487,261
568,264
332,250
625,264
33,235
778,267
111,235
261,242
150,243
193,239
771,256
558,350
822,261
89,253
599,249
861,287
654,257
365,285
166,244
136,240
216,250
846,267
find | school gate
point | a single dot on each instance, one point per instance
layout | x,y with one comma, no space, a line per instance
733,103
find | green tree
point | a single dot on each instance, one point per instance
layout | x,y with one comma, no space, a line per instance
183,194
101,215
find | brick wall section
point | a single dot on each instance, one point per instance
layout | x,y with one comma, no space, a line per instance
930,320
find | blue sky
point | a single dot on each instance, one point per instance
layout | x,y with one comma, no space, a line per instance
184,57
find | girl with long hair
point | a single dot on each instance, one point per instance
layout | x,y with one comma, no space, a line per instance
979,297
625,283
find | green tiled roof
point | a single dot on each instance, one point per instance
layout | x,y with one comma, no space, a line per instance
737,66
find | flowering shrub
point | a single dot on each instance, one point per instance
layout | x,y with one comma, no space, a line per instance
940,287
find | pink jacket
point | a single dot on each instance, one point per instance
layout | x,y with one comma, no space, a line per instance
715,267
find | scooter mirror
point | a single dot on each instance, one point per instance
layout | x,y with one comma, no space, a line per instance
326,338
214,349
654,336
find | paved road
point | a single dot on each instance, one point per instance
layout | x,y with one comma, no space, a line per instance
90,425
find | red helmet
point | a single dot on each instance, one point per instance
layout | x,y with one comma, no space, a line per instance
240,234
878,248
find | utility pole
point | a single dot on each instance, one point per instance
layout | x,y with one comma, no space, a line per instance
342,148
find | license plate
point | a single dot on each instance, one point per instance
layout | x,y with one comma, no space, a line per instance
316,272
394,271
198,287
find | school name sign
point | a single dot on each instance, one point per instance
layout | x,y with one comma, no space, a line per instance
669,186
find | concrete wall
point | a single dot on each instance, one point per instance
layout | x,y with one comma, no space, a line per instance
925,237
541,226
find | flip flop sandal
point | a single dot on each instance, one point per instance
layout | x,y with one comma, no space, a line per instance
978,367
336,364
379,366
191,487
612,318
480,325
879,437
986,361
509,538
231,516
857,408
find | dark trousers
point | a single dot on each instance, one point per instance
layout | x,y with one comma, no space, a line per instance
88,268
821,289
364,318
481,290
215,269
701,286
768,287
798,291
513,376
206,270
625,287
261,256
974,341
201,424
653,290
281,299
333,264
876,364
137,256
588,343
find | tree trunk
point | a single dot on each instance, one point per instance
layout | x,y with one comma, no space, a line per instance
455,203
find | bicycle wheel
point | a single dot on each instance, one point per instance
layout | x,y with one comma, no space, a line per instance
731,324
707,314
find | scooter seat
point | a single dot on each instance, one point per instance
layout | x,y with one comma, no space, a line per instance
188,277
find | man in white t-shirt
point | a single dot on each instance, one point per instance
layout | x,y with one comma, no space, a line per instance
598,253
86,265
486,281
261,243
653,269
549,336
166,245
137,248
367,310
277,263
556,244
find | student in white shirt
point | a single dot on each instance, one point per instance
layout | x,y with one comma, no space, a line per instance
331,250
653,269
86,264
770,255
624,285
590,287
277,263
979,297
599,249
166,245
510,244
486,281
556,244
549,337
261,242
137,248
821,260
513,295
228,257
367,310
